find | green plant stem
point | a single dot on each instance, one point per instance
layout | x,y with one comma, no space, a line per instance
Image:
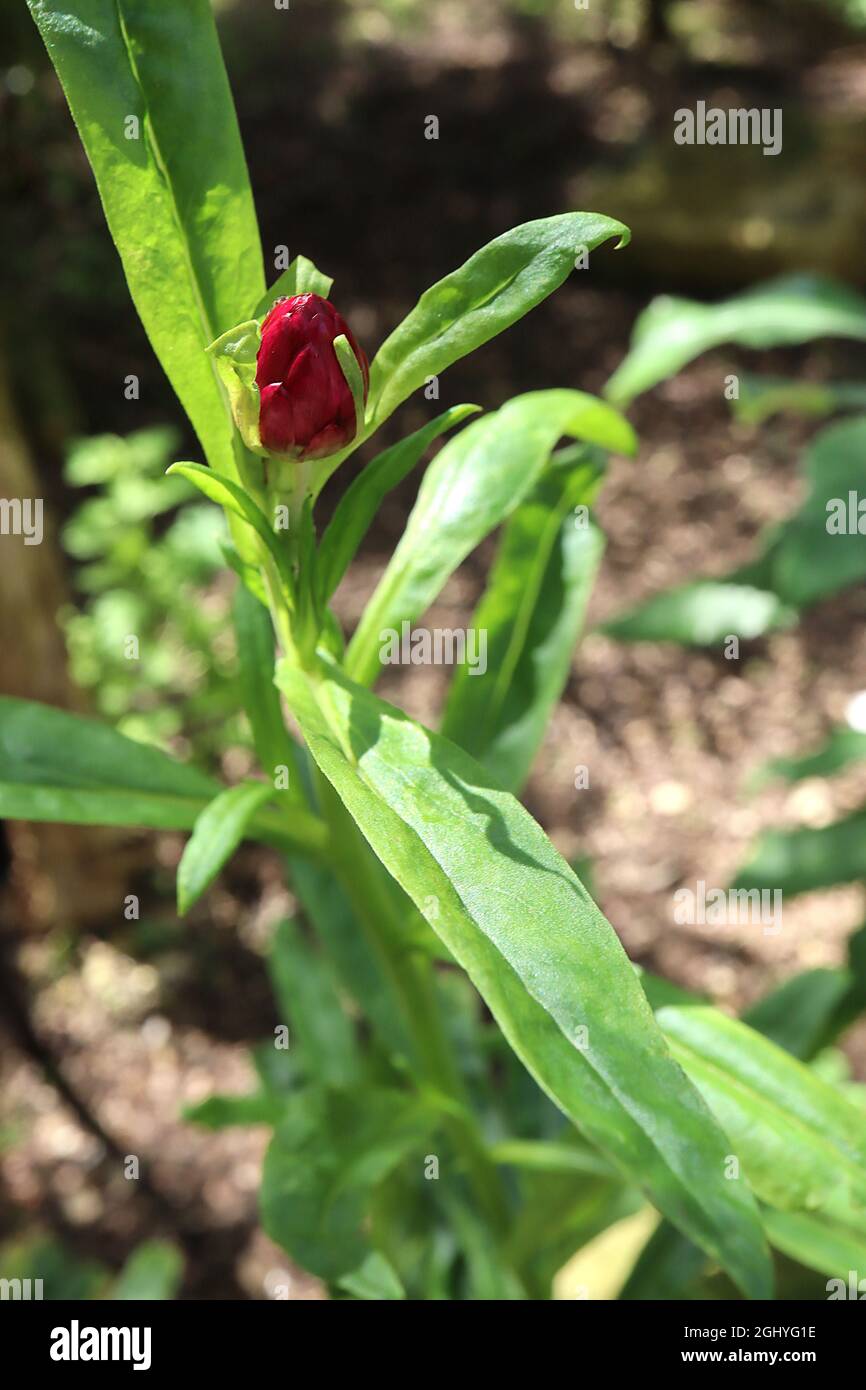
411,976
410,973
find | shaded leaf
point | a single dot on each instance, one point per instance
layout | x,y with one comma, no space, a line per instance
540,953
473,484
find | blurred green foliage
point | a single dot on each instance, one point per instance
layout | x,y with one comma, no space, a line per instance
146,565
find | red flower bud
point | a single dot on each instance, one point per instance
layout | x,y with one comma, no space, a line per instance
307,410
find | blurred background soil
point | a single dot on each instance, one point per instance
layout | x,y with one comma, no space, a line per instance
110,1027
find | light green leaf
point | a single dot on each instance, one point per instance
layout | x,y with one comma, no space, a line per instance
153,1272
227,494
818,1243
761,397
536,947
703,614
375,1279
799,1141
494,288
216,835
792,309
301,277
174,186
354,379
275,749
56,766
235,355
531,615
361,501
473,484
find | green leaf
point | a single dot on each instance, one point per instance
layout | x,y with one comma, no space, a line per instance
473,484
301,277
227,494
790,310
842,747
375,1278
223,1112
247,573
799,1141
667,1268
544,959
361,973
176,196
309,1001
804,1013
235,355
803,560
703,614
360,503
354,379
762,397
275,749
216,835
798,861
818,1243
494,288
543,1156
59,767
329,1153
153,1272
531,613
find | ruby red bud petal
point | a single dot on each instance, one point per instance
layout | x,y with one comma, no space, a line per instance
307,410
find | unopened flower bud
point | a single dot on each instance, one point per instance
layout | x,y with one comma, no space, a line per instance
307,408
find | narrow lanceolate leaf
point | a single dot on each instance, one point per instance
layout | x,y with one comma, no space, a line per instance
842,747
543,957
820,1242
333,917
310,1004
275,749
529,618
799,1141
301,277
792,309
215,837
703,614
494,288
227,494
806,1012
820,549
762,397
801,860
473,484
360,503
170,170
58,767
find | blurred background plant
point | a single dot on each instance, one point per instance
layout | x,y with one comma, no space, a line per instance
150,637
